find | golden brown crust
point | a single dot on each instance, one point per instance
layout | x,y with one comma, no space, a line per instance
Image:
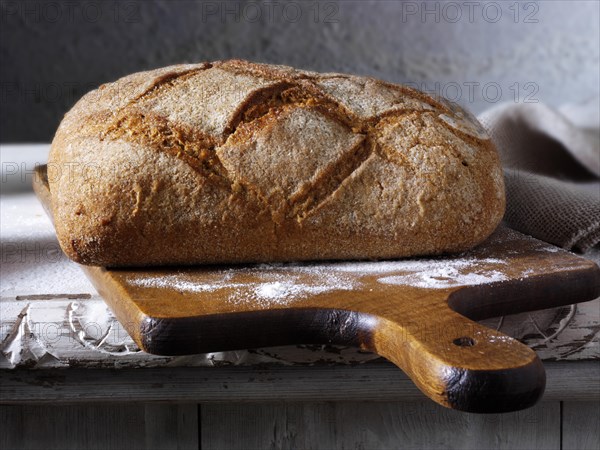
233,161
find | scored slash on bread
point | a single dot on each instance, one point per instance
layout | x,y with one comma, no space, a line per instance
234,161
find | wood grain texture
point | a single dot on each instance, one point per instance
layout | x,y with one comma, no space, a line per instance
455,361
375,425
66,427
580,424
104,427
281,425
171,426
377,381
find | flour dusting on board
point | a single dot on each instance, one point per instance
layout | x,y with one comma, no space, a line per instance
430,273
180,282
283,283
440,274
270,284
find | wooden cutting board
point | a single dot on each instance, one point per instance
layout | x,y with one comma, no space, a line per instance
417,313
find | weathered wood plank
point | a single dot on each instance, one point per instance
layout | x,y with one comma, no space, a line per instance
171,426
268,426
375,381
386,425
65,427
104,427
580,425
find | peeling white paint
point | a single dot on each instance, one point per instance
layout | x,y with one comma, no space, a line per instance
22,347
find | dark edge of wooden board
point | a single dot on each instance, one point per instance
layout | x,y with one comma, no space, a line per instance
498,390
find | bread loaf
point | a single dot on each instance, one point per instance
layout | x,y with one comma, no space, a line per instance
233,161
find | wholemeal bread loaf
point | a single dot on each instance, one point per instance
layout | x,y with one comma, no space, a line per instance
233,161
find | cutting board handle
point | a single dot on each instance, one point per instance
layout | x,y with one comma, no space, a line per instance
459,363
453,360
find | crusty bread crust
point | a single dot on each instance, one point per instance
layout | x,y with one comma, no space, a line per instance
233,161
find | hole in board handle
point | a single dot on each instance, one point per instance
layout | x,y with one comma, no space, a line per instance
464,341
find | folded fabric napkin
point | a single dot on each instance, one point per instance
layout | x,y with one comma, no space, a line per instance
551,159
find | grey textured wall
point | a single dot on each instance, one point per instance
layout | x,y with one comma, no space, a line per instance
478,53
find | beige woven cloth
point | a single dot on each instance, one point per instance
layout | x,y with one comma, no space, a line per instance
552,170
